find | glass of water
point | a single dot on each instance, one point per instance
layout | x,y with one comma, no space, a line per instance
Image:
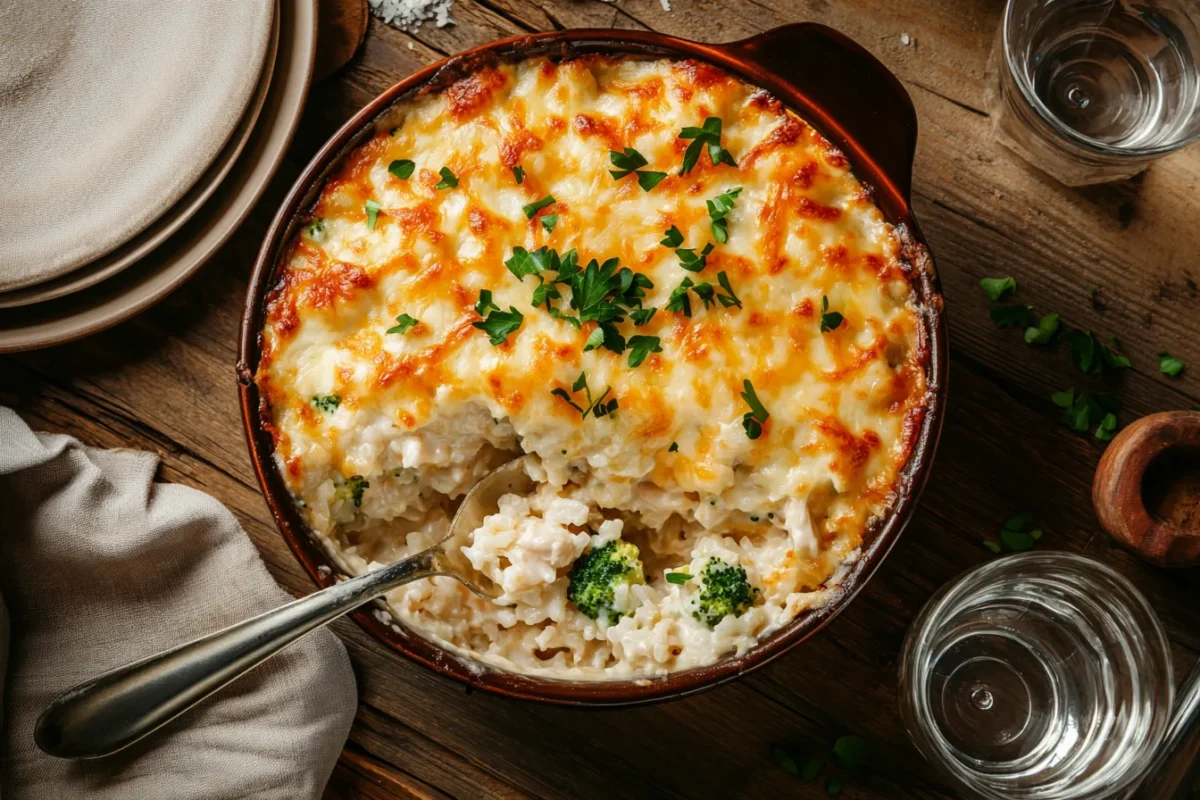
1039,675
1094,90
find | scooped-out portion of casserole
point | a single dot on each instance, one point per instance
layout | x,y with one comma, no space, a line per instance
657,280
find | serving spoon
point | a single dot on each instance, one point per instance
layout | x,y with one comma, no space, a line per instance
116,709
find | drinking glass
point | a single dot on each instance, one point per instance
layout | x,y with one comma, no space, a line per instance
1094,90
1038,675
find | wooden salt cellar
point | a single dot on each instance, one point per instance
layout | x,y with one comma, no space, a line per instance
1147,488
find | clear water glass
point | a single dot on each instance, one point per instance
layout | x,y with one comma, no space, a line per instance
1094,90
1038,675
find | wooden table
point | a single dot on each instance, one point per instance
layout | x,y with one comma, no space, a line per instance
164,381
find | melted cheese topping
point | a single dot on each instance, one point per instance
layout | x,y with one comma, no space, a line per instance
421,415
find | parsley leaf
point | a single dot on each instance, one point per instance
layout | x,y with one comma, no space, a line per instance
485,302
689,260
626,162
1011,316
594,340
674,237
1106,428
316,230
674,448
448,181
499,324
631,161
554,312
830,320
1016,535
402,168
1044,331
704,290
403,323
597,407
752,421
327,403
679,300
549,221
718,209
519,174
642,346
679,579
641,316
523,262
709,134
729,298
1093,357
648,180
1169,364
997,289
544,293
372,208
537,205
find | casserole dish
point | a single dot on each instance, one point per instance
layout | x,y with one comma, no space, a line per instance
865,113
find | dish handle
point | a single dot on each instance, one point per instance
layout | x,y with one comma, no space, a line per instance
849,88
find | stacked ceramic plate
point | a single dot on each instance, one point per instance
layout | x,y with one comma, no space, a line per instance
134,137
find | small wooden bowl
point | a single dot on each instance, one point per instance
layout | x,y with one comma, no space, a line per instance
1147,488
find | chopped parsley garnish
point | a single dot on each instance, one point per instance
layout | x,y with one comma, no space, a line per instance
523,262
372,208
485,302
402,168
641,316
549,221
316,230
830,320
997,289
631,161
704,290
327,403
718,209
1044,331
352,490
1011,316
648,180
1169,364
678,578
546,293
537,205
449,179
1083,409
691,261
679,300
753,419
606,335
674,448
674,237
709,134
597,407
1091,356
499,324
1016,535
642,346
729,298
403,323
519,174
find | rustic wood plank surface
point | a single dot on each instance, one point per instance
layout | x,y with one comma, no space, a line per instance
164,381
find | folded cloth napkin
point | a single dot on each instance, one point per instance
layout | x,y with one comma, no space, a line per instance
99,566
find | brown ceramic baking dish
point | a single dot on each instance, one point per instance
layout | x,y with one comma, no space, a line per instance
829,81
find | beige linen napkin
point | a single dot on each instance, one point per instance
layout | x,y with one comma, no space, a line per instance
100,565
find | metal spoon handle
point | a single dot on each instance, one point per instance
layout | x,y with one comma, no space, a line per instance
116,709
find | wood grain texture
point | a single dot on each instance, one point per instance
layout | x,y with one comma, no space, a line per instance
164,381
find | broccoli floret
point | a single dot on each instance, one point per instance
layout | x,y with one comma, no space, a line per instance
725,590
596,575
326,402
353,490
